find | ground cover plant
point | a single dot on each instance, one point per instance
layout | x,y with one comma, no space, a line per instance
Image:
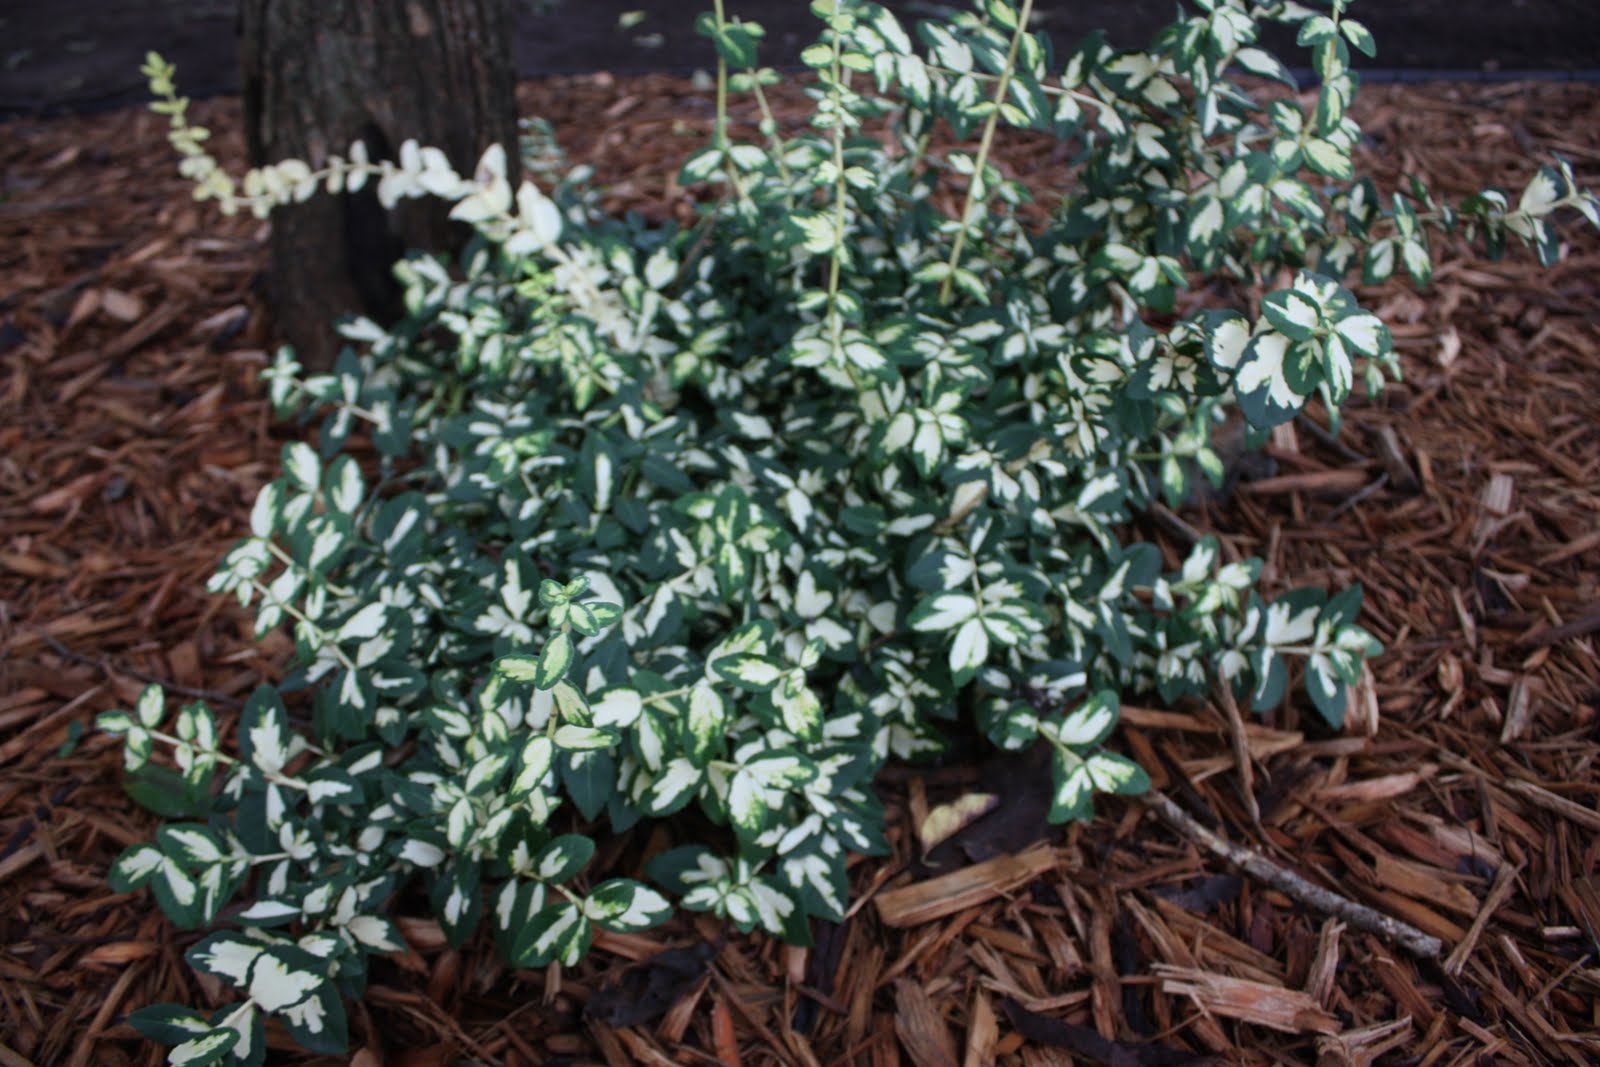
727,516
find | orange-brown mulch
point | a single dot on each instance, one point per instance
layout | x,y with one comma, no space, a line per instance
1463,801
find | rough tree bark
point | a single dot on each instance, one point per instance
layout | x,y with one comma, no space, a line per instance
320,74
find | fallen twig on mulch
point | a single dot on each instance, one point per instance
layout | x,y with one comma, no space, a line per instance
1286,881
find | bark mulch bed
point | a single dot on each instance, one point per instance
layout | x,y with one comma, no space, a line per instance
1463,800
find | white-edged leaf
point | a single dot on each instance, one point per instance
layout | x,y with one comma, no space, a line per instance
1207,222
518,668
301,464
267,511
364,624
1226,342
225,956
1074,795
276,985
625,906
751,672
195,844
618,708
673,786
538,214
377,934
178,883
537,756
1112,773
554,661
1364,332
1325,157
345,489
1541,194
943,611
1292,313
1285,626
970,648
208,1048
270,911
747,802
422,853
1091,721
152,706
135,867
583,738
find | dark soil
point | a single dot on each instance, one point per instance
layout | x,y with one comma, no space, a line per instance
78,55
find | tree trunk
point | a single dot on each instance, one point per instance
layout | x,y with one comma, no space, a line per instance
319,75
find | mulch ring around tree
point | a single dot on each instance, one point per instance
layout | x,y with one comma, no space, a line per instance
1461,801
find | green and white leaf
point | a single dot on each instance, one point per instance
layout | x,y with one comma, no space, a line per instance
625,906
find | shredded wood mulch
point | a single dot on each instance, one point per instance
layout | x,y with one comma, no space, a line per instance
1459,808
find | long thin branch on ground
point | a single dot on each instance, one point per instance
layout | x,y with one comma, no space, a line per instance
108,667
1325,900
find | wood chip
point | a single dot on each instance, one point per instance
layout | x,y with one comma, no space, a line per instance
1584,816
922,1031
983,1034
1283,1009
947,894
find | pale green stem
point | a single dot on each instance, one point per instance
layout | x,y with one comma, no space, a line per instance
976,186
840,191
175,742
773,140
299,616
722,81
671,694
1044,87
222,757
289,561
721,135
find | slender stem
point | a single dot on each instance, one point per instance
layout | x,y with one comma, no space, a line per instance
175,742
671,694
770,127
299,616
106,664
223,757
975,188
289,561
1047,89
720,137
722,80
840,191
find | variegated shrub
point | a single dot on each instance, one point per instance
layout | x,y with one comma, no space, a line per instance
725,517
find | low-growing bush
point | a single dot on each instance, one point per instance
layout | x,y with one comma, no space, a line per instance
726,516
